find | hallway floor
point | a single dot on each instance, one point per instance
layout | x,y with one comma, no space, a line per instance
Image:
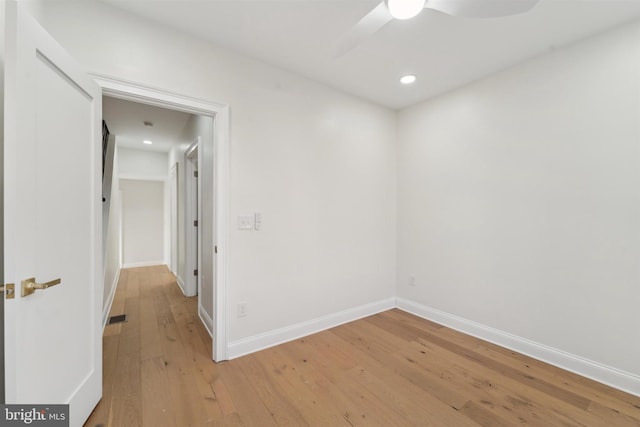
157,365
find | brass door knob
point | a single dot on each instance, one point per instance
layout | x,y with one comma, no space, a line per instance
30,285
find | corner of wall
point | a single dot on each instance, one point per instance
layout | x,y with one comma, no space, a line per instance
289,333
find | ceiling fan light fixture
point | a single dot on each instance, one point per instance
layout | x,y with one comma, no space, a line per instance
407,79
404,9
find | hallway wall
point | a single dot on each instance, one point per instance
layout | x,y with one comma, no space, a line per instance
142,222
142,164
142,175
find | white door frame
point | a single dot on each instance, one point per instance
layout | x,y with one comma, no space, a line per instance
173,219
137,92
193,235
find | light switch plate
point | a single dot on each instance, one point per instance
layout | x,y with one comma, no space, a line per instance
245,222
257,221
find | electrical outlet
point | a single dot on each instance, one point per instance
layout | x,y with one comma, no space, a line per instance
242,309
412,280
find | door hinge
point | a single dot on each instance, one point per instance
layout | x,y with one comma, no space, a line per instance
195,272
195,222
195,174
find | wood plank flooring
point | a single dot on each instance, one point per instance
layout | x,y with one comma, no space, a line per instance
391,369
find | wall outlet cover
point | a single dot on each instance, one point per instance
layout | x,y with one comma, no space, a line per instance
242,309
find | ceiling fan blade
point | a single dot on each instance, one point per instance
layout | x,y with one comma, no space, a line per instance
364,29
481,8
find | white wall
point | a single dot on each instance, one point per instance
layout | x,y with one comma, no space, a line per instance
519,201
143,243
142,164
142,222
318,164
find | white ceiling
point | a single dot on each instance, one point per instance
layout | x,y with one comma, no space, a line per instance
444,52
125,119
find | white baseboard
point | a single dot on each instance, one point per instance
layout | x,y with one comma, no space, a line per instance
106,309
587,368
183,287
207,321
180,284
278,336
142,264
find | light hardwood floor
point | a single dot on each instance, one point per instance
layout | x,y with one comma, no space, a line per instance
391,369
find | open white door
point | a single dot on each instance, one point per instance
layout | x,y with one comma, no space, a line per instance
193,235
53,113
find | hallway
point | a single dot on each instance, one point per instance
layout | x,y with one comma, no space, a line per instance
157,365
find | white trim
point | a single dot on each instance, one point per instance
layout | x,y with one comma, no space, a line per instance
191,150
180,284
207,321
289,333
138,92
613,377
166,222
221,232
120,226
173,218
143,264
142,177
107,308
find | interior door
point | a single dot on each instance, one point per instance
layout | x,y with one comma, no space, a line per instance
196,235
192,213
53,109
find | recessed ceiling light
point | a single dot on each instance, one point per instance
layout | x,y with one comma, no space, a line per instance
405,9
146,141
408,79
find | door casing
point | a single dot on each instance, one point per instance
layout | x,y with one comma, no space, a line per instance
136,92
173,219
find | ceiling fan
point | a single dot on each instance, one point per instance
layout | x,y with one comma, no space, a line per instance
388,10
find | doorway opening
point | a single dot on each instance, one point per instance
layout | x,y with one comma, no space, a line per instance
212,164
